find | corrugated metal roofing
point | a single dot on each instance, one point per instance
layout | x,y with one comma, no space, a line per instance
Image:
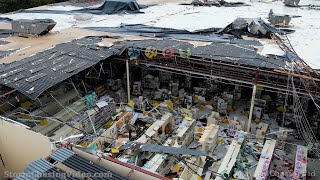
33,75
42,169
237,54
62,155
82,165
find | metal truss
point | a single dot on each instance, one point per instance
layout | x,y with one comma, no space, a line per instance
274,79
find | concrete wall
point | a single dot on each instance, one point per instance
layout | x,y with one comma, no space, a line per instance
19,147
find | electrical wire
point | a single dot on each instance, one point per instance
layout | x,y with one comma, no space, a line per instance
304,129
303,126
61,105
62,122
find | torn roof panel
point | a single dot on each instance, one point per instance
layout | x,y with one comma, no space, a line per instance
170,15
26,47
207,35
35,74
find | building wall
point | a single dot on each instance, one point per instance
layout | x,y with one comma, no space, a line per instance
19,147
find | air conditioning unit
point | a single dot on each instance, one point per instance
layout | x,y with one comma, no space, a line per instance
32,27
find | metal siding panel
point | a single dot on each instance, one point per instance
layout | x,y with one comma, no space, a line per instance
36,167
74,161
62,154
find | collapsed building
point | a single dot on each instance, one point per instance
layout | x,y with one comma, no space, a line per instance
123,98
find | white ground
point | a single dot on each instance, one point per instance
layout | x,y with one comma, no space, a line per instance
170,14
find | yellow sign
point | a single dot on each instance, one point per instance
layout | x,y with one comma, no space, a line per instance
151,52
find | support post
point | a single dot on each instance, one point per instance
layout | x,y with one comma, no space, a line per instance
75,88
251,107
85,88
128,80
94,129
136,161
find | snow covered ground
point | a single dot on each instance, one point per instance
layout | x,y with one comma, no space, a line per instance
169,14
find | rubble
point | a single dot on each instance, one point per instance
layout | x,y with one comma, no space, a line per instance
217,3
252,27
292,3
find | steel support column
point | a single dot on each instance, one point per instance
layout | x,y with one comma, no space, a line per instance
128,80
251,107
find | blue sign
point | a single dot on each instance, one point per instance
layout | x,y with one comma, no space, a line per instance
134,52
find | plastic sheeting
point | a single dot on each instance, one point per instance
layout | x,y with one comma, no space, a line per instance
108,7
115,6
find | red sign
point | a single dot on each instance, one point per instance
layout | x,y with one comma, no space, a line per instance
168,52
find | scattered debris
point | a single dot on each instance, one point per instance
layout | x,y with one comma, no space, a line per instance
292,3
279,20
161,106
252,27
217,3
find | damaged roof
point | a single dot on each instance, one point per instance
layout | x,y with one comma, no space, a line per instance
171,14
32,65
34,75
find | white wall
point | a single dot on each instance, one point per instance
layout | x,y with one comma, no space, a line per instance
19,147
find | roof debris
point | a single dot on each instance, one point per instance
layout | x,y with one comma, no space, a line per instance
212,90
